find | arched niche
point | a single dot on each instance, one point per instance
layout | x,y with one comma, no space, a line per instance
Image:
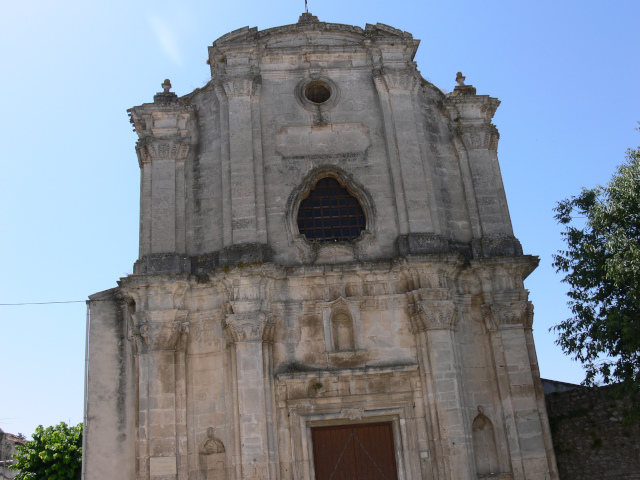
341,321
484,445
213,458
342,331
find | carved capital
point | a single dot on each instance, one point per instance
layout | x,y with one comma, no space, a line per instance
248,327
479,136
403,79
498,315
378,80
157,336
164,131
151,148
242,86
400,79
434,315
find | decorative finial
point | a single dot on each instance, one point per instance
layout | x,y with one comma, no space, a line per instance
166,96
462,88
306,7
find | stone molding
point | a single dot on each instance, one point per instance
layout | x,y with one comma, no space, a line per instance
500,315
249,327
434,315
468,109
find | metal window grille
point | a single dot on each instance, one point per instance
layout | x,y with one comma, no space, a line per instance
330,213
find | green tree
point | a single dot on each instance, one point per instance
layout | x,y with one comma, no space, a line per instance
602,267
55,453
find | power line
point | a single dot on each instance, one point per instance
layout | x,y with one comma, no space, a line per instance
40,303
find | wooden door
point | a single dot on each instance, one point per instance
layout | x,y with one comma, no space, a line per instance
354,452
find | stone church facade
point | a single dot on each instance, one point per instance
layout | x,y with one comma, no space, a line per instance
328,283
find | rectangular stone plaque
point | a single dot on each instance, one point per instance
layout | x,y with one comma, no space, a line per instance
162,465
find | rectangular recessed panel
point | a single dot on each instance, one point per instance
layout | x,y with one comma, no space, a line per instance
162,466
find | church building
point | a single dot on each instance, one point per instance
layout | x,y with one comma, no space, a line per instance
328,284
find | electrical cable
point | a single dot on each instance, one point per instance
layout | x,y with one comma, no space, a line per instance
40,303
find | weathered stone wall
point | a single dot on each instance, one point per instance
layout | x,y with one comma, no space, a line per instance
238,333
589,437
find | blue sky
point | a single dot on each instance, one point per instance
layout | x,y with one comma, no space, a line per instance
565,71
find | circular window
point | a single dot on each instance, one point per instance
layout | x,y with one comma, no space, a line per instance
317,92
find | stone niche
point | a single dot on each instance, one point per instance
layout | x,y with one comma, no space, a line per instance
213,458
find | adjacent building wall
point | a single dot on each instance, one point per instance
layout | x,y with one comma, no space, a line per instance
589,436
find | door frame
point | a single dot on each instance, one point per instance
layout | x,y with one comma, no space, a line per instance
402,426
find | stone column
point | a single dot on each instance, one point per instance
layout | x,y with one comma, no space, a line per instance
249,335
506,322
160,338
434,323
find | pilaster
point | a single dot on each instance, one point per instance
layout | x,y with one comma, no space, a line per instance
243,176
434,323
396,90
160,338
249,335
476,140
507,320
166,131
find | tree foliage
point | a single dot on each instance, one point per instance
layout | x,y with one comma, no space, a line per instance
55,453
602,267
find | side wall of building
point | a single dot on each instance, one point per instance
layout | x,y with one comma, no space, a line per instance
110,413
